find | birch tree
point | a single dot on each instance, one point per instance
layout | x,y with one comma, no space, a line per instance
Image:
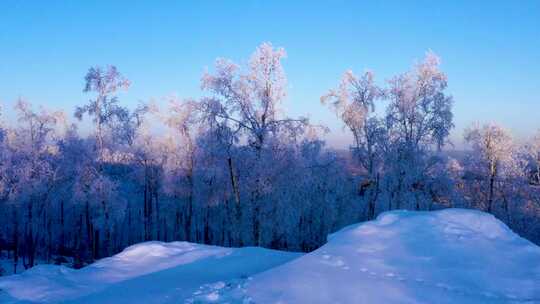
183,120
418,120
35,173
103,108
354,103
492,150
249,101
532,149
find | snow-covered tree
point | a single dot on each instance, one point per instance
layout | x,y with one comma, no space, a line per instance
532,151
36,173
249,102
182,119
396,151
106,115
354,103
103,108
492,151
420,113
418,119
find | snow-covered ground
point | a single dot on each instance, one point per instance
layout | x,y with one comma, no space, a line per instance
151,272
6,266
448,256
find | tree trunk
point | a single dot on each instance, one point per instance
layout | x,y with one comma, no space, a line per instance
147,206
159,228
90,232
28,260
256,223
373,195
189,207
234,183
491,191
207,226
15,241
130,229
95,246
237,206
62,229
49,240
106,230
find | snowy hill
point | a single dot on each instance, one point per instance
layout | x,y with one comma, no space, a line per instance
449,256
151,272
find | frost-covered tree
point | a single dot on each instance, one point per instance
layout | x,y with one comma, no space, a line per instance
106,114
183,118
35,174
249,102
492,152
399,147
4,160
354,103
532,151
103,108
9,231
420,113
418,119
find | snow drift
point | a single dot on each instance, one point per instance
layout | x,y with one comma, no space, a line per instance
150,272
448,256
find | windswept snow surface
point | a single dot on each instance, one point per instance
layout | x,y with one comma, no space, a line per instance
151,272
448,256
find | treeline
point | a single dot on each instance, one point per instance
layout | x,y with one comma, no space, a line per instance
232,169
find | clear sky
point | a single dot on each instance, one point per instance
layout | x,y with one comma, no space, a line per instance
490,49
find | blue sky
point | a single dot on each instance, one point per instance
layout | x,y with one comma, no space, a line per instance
490,50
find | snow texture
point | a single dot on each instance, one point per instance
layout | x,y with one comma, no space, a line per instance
151,272
448,256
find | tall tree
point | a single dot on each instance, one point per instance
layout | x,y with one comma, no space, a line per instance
354,103
36,174
105,113
418,119
103,108
183,119
250,103
492,151
532,150
420,113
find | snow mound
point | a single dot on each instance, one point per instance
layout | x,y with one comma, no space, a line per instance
447,256
148,272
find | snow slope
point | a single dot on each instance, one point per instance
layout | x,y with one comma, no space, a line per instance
151,272
448,256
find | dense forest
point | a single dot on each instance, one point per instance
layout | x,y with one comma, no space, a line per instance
232,169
